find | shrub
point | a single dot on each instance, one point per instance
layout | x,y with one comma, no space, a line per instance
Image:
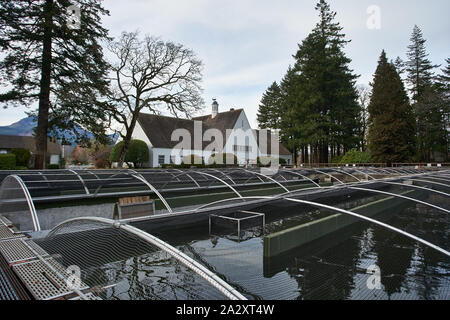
193,160
80,155
355,156
101,157
23,157
21,168
137,153
222,159
265,161
7,161
53,166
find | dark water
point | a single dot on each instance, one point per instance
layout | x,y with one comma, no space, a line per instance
334,267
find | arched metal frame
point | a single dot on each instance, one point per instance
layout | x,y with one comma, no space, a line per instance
349,174
303,176
30,203
267,177
327,174
382,224
198,268
364,173
411,186
81,180
139,176
430,182
400,196
217,178
231,199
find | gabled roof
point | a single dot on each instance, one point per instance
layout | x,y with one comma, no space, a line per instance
222,121
159,128
26,142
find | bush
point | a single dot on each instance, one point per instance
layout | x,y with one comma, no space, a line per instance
193,160
53,166
355,156
222,159
80,155
7,161
101,157
137,153
102,163
23,157
265,161
21,168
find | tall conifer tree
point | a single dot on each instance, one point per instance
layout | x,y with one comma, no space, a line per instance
327,106
391,121
50,61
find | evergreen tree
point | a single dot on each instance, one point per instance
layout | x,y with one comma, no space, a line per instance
48,60
427,100
418,67
391,120
444,79
269,113
292,138
326,109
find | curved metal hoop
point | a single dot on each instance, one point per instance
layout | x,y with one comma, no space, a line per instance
198,268
34,216
407,234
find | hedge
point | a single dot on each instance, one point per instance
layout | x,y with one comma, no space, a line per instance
137,153
223,159
7,161
23,157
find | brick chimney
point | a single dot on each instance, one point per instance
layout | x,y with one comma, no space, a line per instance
215,109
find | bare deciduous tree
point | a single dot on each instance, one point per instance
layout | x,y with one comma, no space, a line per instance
363,100
152,75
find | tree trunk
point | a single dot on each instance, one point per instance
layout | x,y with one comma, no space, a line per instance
44,94
126,141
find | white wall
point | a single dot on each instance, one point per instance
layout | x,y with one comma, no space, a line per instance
54,159
139,134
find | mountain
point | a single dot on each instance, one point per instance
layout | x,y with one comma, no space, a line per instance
25,126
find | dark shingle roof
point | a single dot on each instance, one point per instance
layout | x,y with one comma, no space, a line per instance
159,128
222,121
26,142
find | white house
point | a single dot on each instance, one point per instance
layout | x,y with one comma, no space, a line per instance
169,139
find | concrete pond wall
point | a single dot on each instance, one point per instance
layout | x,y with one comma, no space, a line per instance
286,240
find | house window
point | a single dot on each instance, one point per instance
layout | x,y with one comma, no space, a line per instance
161,159
242,148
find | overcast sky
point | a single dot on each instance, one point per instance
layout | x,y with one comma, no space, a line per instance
245,45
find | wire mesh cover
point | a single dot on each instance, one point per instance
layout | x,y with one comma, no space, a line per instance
120,265
14,205
237,223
